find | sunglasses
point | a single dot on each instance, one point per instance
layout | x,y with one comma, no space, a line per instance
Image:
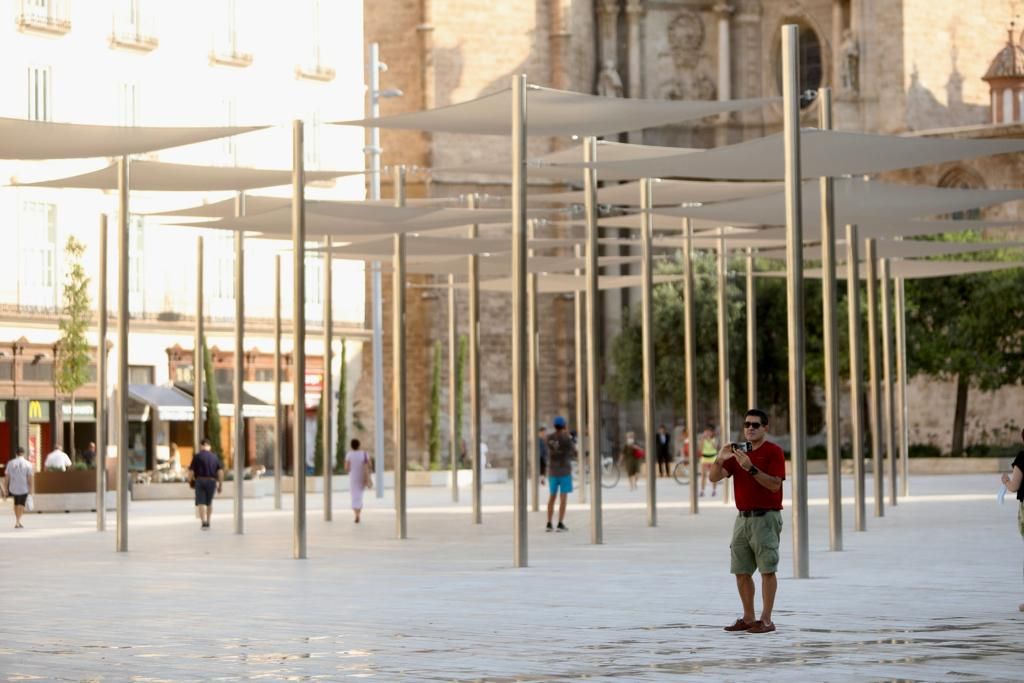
752,425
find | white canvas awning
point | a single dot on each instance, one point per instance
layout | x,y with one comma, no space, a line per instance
822,153
158,176
35,140
557,112
254,204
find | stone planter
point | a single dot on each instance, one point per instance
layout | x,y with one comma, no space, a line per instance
920,466
72,481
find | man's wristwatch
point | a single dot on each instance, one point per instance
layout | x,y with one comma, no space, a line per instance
753,471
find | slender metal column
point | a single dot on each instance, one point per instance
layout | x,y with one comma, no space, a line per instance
520,434
328,381
198,360
238,421
375,66
647,331
532,419
593,343
724,388
453,359
123,186
690,354
474,372
795,298
901,386
888,407
299,339
874,370
398,362
856,376
751,332
829,337
278,413
581,380
101,383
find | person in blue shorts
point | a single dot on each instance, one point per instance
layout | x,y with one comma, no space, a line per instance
561,451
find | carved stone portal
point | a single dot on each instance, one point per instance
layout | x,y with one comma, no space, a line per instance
689,77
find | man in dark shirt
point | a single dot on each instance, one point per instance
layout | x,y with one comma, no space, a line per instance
759,473
89,454
1014,483
208,474
561,450
663,449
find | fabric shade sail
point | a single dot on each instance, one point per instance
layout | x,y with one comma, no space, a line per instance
560,283
556,112
822,153
259,204
38,140
158,176
665,192
915,270
887,248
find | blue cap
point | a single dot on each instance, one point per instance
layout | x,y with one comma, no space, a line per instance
559,421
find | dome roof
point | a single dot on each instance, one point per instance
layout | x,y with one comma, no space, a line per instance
1009,63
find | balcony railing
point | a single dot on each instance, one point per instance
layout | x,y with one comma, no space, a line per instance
49,17
316,72
133,39
231,57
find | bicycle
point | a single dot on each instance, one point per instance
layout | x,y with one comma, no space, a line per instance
681,472
610,471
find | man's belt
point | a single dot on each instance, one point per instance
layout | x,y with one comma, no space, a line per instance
754,513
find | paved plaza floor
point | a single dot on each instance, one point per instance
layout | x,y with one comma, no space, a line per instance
928,593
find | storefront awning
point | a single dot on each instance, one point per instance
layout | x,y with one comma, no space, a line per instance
169,403
251,406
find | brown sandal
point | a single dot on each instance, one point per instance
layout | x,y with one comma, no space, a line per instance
741,625
761,627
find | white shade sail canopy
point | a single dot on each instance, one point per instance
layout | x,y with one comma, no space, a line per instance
822,153
556,112
887,248
856,201
37,140
915,270
158,176
665,192
560,283
254,204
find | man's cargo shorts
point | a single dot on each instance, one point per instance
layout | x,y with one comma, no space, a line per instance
755,543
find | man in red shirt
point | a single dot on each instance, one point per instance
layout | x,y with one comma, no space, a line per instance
759,475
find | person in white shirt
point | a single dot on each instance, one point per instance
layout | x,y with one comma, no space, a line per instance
57,460
18,483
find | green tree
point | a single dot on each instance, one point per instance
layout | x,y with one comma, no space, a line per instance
460,374
73,356
342,443
434,438
212,402
968,328
318,443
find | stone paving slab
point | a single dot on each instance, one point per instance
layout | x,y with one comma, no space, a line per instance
928,593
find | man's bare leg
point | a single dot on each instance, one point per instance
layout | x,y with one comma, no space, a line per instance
204,516
561,508
769,584
19,510
745,586
551,507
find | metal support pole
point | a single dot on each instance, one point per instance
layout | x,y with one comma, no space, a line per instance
724,389
377,306
520,452
123,186
474,372
874,370
299,340
593,343
198,359
238,421
532,419
829,340
751,332
647,331
398,362
856,376
690,354
278,412
888,407
901,386
453,407
795,297
101,383
581,382
328,381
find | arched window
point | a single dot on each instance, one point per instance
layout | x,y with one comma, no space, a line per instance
810,57
967,180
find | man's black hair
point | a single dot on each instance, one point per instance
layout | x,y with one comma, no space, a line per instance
759,414
354,444
205,442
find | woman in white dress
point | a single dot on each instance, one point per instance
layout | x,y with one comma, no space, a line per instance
357,466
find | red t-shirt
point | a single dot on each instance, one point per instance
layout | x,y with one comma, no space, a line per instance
750,495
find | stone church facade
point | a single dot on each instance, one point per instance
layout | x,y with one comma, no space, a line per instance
912,66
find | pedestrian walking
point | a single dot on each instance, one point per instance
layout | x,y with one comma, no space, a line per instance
206,474
632,457
57,460
18,483
1013,481
663,449
561,452
759,467
89,455
708,453
359,468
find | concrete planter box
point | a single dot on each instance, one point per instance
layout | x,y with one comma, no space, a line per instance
921,466
72,481
71,502
442,478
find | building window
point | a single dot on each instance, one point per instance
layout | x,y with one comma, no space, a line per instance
38,240
961,178
230,146
129,113
315,69
44,16
226,47
182,374
264,374
140,374
811,61
311,142
6,370
39,370
314,287
40,93
221,284
224,377
132,27
136,265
